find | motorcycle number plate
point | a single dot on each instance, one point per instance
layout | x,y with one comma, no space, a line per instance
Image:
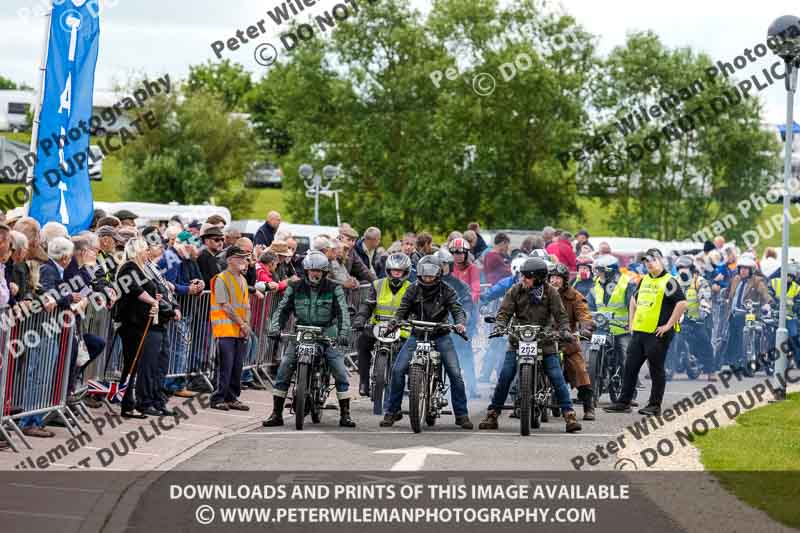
305,350
750,316
529,349
424,347
598,340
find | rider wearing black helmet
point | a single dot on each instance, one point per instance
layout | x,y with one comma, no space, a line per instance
430,300
579,320
384,298
533,301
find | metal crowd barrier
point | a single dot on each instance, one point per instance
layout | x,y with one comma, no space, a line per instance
37,356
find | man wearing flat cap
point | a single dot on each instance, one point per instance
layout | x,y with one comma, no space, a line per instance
655,309
213,241
126,218
352,262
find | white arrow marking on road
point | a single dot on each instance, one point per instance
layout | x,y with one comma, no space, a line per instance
414,458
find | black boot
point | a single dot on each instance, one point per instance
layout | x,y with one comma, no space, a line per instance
363,389
344,414
276,418
585,397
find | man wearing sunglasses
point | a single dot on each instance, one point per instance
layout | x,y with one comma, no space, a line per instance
213,241
657,305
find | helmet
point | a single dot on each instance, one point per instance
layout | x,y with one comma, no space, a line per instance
606,263
428,266
316,260
685,261
559,269
398,261
541,254
516,264
746,260
584,260
535,268
459,245
444,256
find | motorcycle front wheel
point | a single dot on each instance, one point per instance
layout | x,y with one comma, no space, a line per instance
417,396
378,381
526,417
301,395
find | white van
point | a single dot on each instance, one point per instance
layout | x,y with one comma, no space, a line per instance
303,233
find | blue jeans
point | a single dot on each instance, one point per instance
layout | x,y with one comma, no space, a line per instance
552,368
289,363
444,344
794,339
180,339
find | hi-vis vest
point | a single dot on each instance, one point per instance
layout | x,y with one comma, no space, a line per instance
238,298
648,303
791,294
616,303
693,303
388,303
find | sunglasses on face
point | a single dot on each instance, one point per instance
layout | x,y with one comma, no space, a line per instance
218,239
529,275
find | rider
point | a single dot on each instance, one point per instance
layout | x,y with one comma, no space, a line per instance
792,303
466,357
744,286
579,317
612,293
698,298
314,301
532,301
583,282
429,300
383,299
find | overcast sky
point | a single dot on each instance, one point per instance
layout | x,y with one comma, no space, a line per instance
166,36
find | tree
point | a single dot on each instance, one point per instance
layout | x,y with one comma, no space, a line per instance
197,154
692,175
414,154
6,84
229,81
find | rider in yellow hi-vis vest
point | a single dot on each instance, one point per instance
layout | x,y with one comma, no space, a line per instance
698,301
384,299
656,308
230,317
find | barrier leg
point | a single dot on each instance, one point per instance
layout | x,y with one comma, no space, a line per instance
17,432
70,421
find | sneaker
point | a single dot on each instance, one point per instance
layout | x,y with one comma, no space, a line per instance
464,422
650,410
37,432
238,406
220,406
618,408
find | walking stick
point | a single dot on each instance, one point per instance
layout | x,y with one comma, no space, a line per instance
138,353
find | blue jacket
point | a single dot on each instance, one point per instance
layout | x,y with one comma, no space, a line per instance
498,290
51,280
171,265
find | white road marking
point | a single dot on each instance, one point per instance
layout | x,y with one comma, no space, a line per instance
414,458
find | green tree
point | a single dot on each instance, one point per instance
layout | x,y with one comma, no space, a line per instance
7,84
688,180
229,81
197,154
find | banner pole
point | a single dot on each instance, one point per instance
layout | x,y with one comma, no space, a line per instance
39,96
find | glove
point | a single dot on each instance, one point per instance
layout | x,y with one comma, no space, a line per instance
566,336
585,333
497,332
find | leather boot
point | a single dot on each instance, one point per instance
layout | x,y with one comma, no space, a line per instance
490,422
572,422
344,414
276,418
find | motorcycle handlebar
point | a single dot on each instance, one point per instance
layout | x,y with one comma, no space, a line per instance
431,326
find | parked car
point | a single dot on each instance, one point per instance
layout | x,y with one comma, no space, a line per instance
96,163
264,175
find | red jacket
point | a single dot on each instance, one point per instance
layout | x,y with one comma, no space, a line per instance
495,267
564,252
472,277
263,274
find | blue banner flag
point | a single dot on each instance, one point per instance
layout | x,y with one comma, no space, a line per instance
61,189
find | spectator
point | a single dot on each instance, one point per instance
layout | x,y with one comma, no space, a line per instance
719,242
126,218
216,220
409,245
231,236
266,233
603,249
770,263
265,273
548,234
562,249
194,228
297,259
19,288
496,263
109,221
479,246
581,240
454,235
586,249
285,269
366,249
180,267
424,245
527,245
351,261
213,240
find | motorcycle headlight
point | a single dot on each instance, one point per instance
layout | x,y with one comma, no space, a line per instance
602,320
527,334
307,336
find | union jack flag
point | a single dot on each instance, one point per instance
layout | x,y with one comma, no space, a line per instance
112,391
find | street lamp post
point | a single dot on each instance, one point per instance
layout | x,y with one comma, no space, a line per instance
784,39
316,185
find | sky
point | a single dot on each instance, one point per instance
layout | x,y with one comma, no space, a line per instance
154,37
